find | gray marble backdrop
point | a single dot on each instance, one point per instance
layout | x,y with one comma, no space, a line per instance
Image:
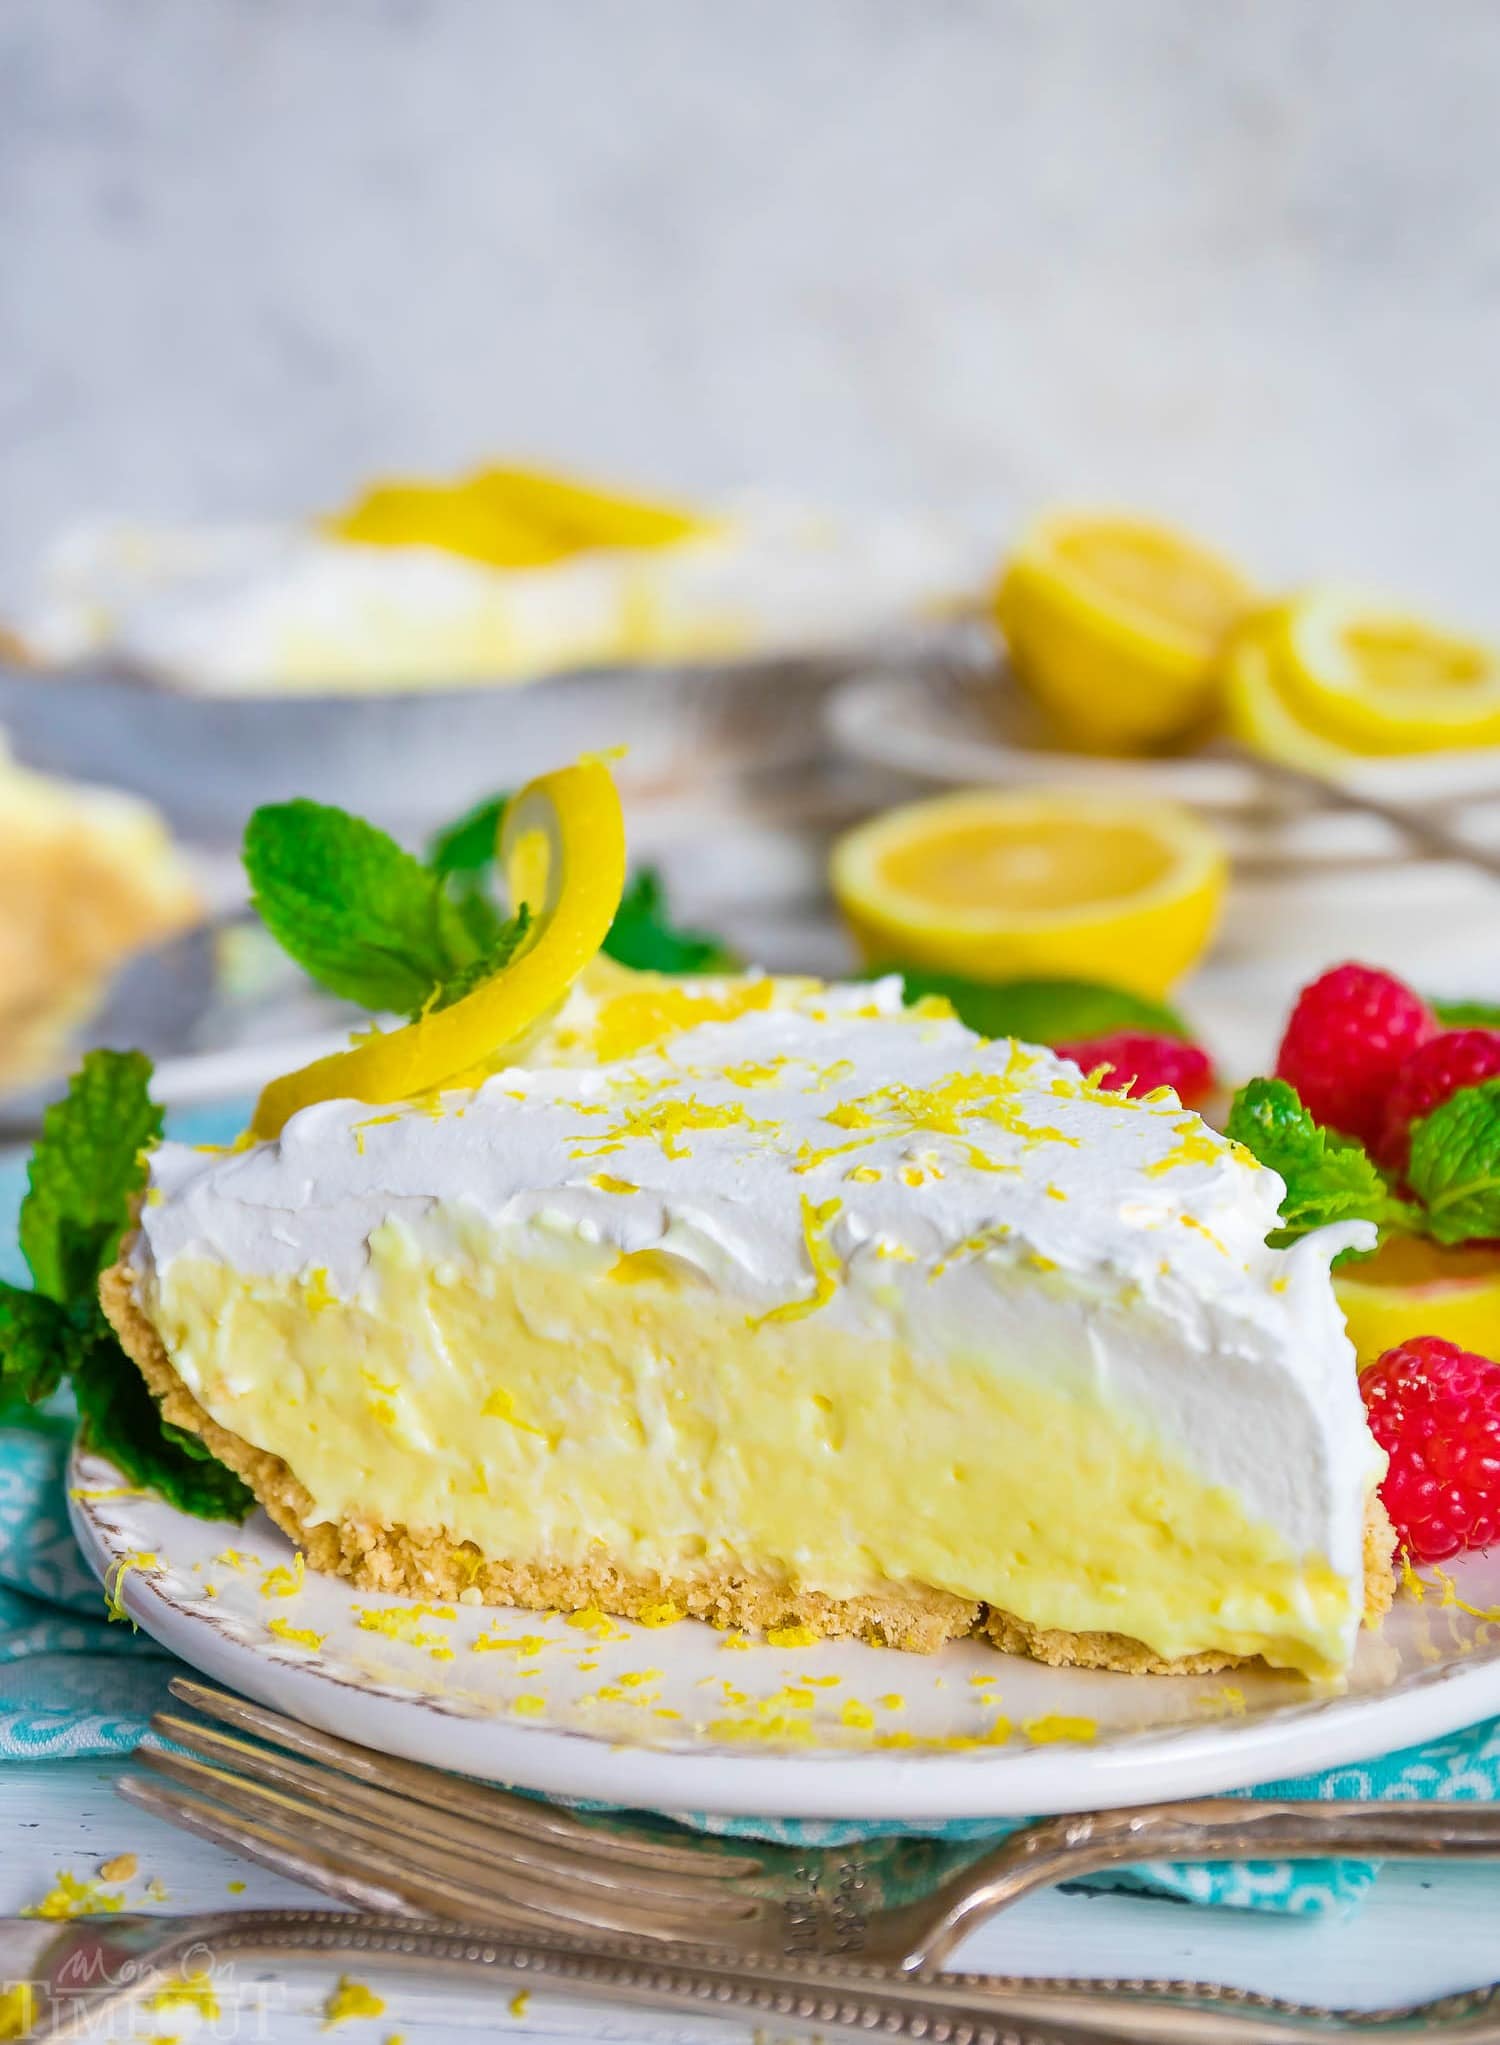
1238,260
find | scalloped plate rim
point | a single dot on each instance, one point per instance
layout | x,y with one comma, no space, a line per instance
1153,1763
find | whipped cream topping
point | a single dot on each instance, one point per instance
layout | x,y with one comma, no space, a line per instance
829,1152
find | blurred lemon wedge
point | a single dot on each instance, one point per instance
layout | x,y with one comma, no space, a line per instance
562,849
1413,1287
1115,625
1376,680
1003,886
509,518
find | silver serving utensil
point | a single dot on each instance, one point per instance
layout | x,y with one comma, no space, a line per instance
79,1975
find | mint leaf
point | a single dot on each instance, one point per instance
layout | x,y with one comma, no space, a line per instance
1328,1177
38,1340
1455,1164
509,940
643,935
364,918
1045,1011
1467,1015
84,1175
84,1172
121,1420
467,845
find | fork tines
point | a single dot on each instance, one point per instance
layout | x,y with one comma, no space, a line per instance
389,1834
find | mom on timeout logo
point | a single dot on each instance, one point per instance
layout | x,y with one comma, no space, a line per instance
89,1985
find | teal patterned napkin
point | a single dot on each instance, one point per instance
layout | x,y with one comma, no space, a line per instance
73,1684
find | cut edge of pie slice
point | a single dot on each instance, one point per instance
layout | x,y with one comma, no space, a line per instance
800,1309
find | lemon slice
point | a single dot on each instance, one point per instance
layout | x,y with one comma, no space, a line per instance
1115,626
562,847
1000,886
509,518
1413,1287
1259,711
1376,680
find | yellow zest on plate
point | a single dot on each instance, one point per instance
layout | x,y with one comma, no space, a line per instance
999,886
1116,625
509,518
562,849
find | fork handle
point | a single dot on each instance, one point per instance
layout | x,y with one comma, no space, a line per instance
1212,1828
701,1983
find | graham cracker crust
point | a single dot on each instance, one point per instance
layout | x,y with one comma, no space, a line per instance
433,1565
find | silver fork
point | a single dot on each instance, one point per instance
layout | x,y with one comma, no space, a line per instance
391,1835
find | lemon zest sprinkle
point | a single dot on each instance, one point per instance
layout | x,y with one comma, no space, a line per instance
17,2010
74,1896
663,1613
350,1999
298,1636
281,1582
115,1578
1057,1725
188,1991
501,1406
817,1222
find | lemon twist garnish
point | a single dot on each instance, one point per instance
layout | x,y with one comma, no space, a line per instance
562,846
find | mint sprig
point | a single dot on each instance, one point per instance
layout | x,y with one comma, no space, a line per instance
1044,1011
365,918
85,1172
1328,1177
644,936
1467,1015
376,925
1455,1164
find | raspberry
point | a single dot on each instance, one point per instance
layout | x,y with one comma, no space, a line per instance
1141,1060
1434,1070
1349,1035
1435,1409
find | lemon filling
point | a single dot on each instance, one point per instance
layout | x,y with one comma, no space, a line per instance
547,1410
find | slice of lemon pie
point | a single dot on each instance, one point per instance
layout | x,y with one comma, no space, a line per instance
780,1304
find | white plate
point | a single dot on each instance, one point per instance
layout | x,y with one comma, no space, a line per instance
679,1719
965,727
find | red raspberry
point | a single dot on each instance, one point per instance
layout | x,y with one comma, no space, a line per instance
1349,1035
1435,1409
1434,1070
1142,1060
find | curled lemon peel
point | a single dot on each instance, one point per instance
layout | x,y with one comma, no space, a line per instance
562,847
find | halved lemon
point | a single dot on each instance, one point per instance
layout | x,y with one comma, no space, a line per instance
1115,626
1375,680
1413,1287
562,849
999,886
